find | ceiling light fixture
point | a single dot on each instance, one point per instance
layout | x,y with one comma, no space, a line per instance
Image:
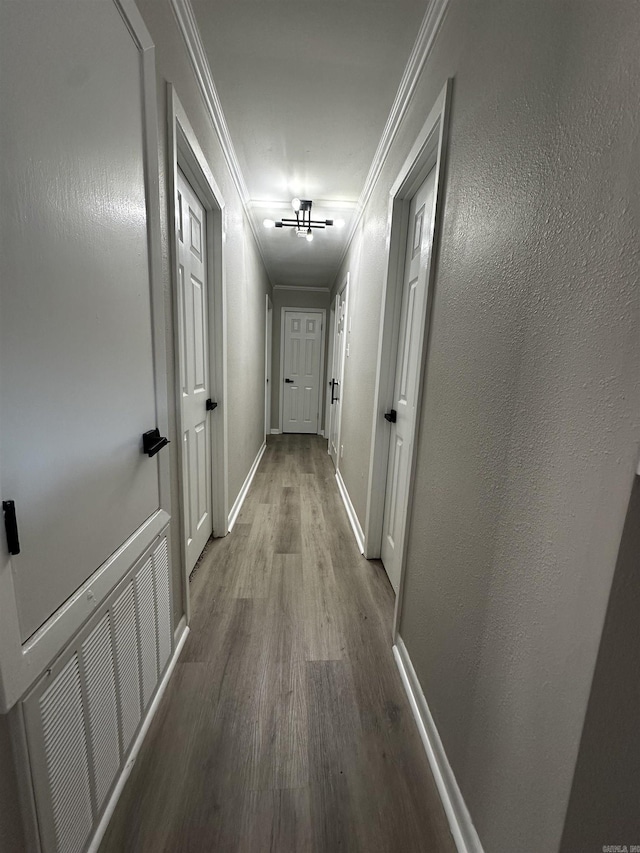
303,223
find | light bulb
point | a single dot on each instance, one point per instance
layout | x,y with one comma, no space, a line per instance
339,223
309,235
295,204
269,223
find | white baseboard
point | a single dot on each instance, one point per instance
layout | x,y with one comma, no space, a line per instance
462,828
276,432
237,505
182,626
135,749
353,518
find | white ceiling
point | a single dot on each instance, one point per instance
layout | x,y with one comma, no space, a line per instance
306,90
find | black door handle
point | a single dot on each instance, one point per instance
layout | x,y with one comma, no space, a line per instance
153,442
11,527
211,405
391,416
333,388
289,380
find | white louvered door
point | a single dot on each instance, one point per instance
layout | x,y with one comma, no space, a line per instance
82,718
412,319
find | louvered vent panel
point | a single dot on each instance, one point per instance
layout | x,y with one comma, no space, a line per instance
65,749
125,641
163,602
145,606
102,714
81,719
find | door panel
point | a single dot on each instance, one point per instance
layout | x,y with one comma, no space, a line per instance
76,329
193,324
412,320
302,355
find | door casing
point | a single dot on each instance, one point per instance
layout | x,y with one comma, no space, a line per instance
343,289
185,153
427,152
268,336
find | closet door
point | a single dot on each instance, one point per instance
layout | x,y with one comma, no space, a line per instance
81,367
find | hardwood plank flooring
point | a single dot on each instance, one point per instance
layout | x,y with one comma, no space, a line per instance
285,726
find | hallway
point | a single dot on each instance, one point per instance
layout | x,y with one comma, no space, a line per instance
285,726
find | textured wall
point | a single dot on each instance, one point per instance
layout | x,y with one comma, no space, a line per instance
246,279
529,429
293,299
604,808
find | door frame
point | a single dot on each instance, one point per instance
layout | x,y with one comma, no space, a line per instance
268,338
327,393
323,312
343,287
185,153
428,152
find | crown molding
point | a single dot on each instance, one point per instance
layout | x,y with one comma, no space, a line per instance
279,204
427,33
301,287
188,26
422,47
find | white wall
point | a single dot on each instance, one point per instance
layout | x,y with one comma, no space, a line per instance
246,279
529,428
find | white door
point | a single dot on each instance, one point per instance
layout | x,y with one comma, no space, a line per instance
412,324
194,370
79,369
337,379
301,371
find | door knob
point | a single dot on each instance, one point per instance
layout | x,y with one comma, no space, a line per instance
288,380
211,405
391,416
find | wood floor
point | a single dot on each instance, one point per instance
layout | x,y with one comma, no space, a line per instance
285,726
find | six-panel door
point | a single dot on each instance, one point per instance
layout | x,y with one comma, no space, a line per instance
301,381
193,357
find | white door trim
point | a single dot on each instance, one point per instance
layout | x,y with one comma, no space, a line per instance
186,153
323,312
268,338
327,382
343,287
427,152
